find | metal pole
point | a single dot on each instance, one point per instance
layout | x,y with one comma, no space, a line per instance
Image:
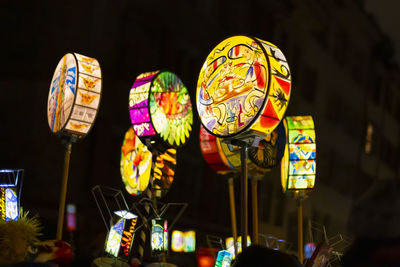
254,199
233,212
64,185
244,196
300,230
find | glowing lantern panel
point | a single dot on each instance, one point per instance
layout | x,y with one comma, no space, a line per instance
159,236
230,246
224,259
177,241
121,235
160,108
10,181
298,166
74,95
225,158
244,86
136,163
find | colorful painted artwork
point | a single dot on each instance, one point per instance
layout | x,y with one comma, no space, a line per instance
177,241
157,237
114,238
136,162
121,235
189,241
224,259
160,106
74,95
230,246
298,167
164,172
244,85
225,158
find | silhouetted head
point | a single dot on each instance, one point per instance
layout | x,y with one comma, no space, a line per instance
259,256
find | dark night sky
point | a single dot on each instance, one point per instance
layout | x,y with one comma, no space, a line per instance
127,38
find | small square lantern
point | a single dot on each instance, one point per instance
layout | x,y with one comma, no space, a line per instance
10,191
224,259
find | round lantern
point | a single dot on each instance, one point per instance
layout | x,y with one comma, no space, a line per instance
74,96
243,88
160,110
225,158
298,166
136,163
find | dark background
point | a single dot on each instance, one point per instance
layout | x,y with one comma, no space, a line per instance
127,38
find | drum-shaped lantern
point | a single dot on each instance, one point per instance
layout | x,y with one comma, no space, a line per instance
298,166
160,110
136,163
243,88
225,158
74,95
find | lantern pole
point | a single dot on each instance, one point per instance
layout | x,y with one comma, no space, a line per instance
254,198
64,185
233,212
244,195
300,228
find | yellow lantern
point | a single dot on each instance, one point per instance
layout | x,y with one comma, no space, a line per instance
298,166
243,88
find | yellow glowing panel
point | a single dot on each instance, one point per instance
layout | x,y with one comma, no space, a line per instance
177,241
298,166
244,86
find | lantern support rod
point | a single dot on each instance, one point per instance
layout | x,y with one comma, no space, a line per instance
300,229
244,195
254,198
233,212
64,185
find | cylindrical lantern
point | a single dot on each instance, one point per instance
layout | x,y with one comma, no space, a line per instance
225,158
121,235
10,191
243,88
159,236
74,95
160,110
298,166
136,163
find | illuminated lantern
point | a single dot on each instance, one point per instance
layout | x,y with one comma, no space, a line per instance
159,236
136,163
224,158
243,88
74,96
224,259
206,256
71,217
189,241
120,237
160,110
10,192
230,246
298,166
177,241
309,249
